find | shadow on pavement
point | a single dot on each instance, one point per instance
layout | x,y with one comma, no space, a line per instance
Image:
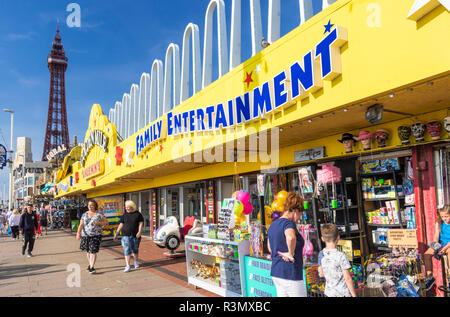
9,272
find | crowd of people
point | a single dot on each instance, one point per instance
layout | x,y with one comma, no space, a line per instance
30,222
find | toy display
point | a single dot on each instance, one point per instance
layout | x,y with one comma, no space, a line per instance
447,124
418,130
378,166
366,137
381,136
215,249
396,274
308,248
404,133
348,140
256,239
205,271
306,183
434,128
314,283
384,216
357,275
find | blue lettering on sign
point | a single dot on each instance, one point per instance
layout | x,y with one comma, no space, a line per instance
185,121
210,112
177,124
304,76
169,124
192,121
221,120
200,119
323,50
262,103
280,90
243,108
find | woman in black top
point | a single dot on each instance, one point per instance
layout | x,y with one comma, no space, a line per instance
131,227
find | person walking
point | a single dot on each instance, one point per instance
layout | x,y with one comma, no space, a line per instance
131,226
44,220
2,222
27,225
90,233
14,222
286,244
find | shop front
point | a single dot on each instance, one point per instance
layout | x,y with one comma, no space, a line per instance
348,118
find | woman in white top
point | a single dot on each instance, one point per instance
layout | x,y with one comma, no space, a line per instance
14,224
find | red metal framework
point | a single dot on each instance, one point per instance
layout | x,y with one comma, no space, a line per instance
57,132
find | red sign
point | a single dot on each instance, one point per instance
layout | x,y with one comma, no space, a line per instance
94,170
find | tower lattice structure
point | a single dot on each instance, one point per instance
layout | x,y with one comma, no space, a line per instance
57,132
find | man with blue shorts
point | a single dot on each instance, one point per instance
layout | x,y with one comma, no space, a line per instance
131,227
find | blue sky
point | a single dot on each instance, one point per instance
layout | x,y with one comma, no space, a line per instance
117,41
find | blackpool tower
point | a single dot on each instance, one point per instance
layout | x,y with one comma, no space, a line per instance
57,132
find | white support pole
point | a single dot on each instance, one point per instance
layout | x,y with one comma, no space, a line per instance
274,16
219,6
306,10
171,78
236,34
256,26
193,32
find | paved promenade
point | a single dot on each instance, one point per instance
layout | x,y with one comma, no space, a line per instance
57,260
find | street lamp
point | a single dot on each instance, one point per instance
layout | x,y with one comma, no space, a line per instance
11,161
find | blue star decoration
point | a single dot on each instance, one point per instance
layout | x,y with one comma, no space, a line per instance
328,27
190,142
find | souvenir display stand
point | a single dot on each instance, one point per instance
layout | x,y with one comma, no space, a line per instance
388,199
217,265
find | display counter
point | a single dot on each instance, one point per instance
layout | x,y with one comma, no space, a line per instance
217,265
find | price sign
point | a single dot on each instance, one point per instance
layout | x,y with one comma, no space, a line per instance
406,238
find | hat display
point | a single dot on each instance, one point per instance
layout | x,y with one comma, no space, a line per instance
366,138
418,130
348,140
434,128
365,135
382,136
404,133
447,124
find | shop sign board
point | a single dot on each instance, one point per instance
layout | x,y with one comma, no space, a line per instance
309,155
61,149
406,238
112,208
98,168
258,280
97,137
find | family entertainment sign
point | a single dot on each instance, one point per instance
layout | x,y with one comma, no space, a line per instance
301,78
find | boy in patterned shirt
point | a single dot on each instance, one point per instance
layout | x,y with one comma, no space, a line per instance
334,265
